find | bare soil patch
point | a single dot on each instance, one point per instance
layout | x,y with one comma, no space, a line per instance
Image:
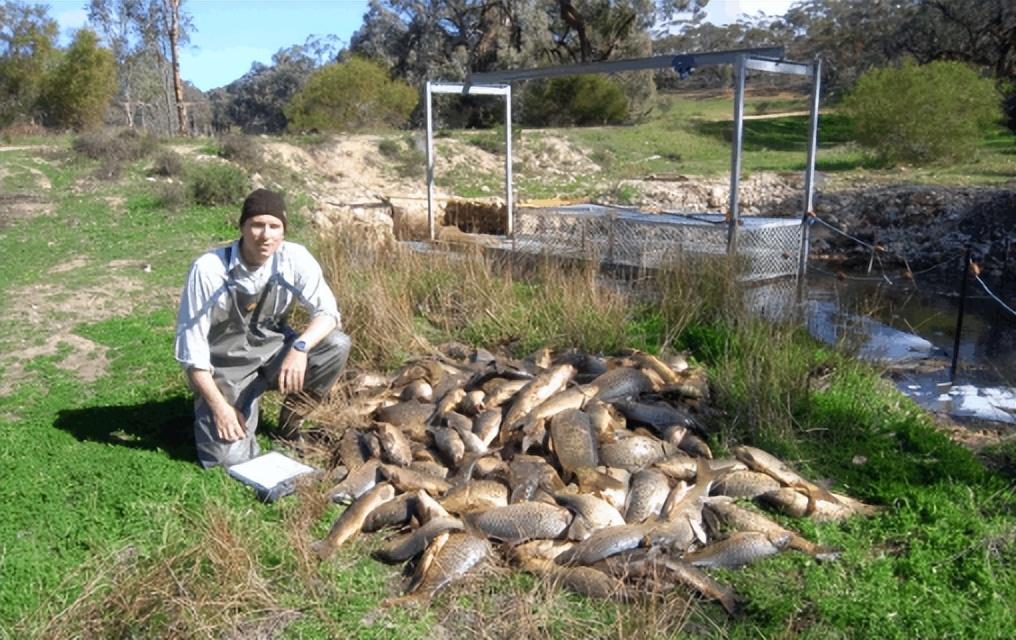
20,206
51,311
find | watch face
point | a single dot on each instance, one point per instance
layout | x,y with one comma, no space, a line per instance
300,345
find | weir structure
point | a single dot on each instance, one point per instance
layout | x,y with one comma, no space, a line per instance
767,247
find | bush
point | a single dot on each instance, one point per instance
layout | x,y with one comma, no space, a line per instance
352,95
79,90
123,146
921,114
168,164
219,184
241,149
173,196
574,100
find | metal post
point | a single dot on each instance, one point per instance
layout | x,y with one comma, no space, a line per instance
430,166
508,161
735,160
959,317
809,179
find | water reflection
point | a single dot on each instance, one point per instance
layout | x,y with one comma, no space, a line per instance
910,328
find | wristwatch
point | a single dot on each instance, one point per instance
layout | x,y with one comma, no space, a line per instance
300,345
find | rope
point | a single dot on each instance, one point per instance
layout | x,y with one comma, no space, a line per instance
992,295
844,233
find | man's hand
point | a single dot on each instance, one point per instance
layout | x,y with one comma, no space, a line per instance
230,424
294,366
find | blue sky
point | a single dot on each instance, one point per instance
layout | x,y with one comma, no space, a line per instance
231,34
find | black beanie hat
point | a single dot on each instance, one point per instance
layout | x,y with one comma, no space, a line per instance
263,202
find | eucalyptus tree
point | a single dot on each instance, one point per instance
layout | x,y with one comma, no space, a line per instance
145,36
448,39
256,102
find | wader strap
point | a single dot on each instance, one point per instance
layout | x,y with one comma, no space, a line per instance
272,281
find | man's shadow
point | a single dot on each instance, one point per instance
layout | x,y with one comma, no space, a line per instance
164,424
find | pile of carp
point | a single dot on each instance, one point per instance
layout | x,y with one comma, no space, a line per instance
592,472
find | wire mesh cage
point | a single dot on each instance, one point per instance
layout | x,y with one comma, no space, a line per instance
767,247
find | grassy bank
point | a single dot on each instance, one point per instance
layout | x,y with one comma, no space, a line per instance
111,529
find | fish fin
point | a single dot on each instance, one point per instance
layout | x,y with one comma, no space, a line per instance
812,500
696,527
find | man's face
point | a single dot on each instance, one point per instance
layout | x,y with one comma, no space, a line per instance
262,236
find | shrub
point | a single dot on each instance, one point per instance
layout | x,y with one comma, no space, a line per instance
168,164
921,114
172,196
580,100
241,149
123,146
219,184
351,95
79,90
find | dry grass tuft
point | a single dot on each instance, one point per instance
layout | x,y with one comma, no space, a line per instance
397,303
538,606
211,585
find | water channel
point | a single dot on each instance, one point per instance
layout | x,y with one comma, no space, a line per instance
910,327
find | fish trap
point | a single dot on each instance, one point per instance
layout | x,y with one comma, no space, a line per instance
767,248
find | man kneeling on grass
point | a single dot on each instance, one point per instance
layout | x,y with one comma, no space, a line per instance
234,343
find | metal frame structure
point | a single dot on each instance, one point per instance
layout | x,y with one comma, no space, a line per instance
766,59
465,89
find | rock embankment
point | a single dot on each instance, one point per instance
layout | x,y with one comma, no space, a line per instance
920,226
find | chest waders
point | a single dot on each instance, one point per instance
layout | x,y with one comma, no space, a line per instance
247,350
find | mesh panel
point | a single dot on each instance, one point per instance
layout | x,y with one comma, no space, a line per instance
768,247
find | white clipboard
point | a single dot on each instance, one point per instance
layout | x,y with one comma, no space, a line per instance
272,475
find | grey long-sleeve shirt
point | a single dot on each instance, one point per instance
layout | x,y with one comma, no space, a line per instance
205,300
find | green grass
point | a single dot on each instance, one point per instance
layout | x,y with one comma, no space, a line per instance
101,493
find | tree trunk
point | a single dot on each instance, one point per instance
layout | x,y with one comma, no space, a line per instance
174,36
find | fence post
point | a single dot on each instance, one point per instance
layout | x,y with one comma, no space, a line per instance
959,317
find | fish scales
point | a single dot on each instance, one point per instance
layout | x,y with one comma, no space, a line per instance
522,521
475,495
536,391
395,512
458,555
656,415
741,548
620,383
357,482
647,493
634,452
395,447
597,513
350,522
405,414
414,543
745,484
605,543
574,442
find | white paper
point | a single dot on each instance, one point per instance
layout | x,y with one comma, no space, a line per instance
268,470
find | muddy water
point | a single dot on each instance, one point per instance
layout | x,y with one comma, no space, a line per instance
914,325
987,353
